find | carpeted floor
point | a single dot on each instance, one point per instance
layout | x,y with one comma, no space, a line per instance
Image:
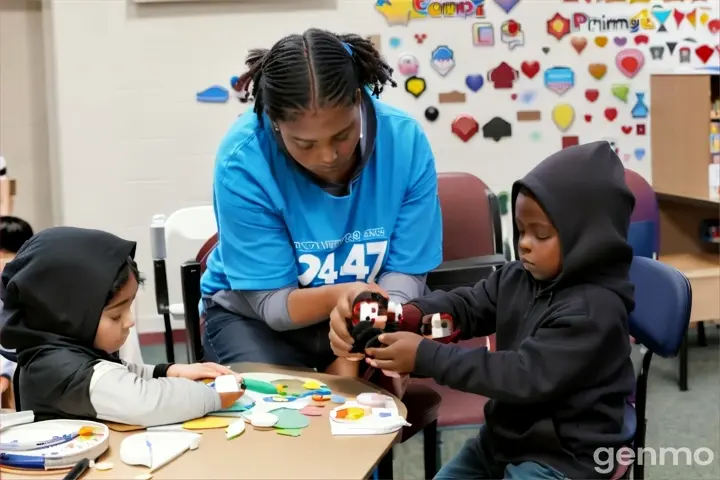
676,420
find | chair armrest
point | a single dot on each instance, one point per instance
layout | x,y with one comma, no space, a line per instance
464,272
190,274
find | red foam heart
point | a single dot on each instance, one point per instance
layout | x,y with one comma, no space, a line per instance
642,39
630,64
588,118
611,114
714,26
704,52
513,96
530,69
592,95
626,129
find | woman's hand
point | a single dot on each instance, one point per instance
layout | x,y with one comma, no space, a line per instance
340,339
198,371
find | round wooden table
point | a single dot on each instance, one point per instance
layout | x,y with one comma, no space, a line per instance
316,454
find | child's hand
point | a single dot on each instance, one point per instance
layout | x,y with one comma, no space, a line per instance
399,355
198,371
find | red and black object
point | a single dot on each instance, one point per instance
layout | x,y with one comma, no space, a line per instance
371,317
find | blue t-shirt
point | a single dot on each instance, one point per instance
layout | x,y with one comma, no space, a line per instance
279,228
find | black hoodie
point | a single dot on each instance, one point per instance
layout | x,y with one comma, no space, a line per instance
53,295
561,375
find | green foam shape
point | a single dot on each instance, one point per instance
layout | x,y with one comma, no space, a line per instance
290,419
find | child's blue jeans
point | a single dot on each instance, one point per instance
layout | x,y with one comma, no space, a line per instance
473,463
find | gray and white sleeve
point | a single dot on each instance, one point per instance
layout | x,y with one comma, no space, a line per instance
402,287
119,395
143,371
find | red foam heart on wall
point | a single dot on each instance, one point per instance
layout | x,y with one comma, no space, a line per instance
611,114
592,94
530,69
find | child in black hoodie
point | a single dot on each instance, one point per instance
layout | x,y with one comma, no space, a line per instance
66,310
560,378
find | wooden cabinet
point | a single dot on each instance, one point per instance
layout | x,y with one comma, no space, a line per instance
680,128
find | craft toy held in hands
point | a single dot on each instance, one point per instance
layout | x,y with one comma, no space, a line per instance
372,315
437,326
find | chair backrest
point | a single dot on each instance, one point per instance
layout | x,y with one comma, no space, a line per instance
644,235
471,217
663,300
205,251
186,230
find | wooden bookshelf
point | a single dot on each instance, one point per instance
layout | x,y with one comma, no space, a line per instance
680,129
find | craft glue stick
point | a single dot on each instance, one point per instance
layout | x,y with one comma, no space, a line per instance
260,387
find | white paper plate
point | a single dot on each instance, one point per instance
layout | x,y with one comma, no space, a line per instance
63,455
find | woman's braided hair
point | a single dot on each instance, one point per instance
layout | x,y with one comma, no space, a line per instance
317,69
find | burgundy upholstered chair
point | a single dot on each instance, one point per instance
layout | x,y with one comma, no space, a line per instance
472,249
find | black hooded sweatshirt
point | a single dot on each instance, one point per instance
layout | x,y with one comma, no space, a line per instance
53,295
560,378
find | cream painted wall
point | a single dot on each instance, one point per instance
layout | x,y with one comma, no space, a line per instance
23,115
129,140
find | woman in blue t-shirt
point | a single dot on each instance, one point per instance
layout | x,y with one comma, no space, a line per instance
318,190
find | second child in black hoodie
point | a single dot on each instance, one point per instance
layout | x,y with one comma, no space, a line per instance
560,378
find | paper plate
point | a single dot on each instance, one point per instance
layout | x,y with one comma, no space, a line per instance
66,454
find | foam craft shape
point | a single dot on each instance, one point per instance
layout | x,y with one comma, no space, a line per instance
563,116
312,411
579,44
611,114
592,94
601,41
620,41
289,432
597,70
289,419
431,114
507,5
474,82
535,136
207,423
465,127
530,68
214,94
639,153
621,91
630,61
704,52
415,86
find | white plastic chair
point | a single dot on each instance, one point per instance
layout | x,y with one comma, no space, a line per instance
175,240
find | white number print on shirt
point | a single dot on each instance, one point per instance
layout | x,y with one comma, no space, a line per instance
356,264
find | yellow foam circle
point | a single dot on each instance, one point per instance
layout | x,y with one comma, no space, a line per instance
206,423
